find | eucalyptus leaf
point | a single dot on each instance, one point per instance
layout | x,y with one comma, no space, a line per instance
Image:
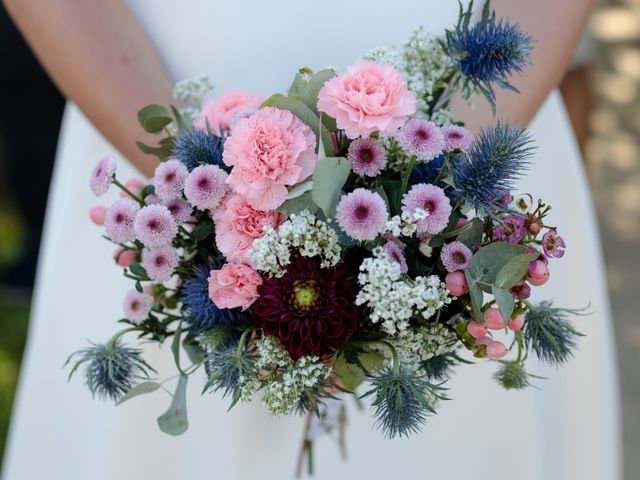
139,389
328,179
487,262
175,346
304,113
203,230
150,111
505,301
269,102
299,189
352,375
472,236
298,204
174,421
297,86
393,189
161,152
182,125
514,270
310,95
475,293
138,270
195,353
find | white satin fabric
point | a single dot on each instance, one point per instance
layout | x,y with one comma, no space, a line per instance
568,429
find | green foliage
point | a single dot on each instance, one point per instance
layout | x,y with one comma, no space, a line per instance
140,389
472,235
512,376
174,421
328,179
353,374
154,118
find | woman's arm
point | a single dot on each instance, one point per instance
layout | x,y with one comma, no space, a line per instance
100,58
555,25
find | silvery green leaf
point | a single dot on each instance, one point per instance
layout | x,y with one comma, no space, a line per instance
328,179
298,204
310,95
487,262
297,86
269,102
472,236
195,353
514,270
476,296
139,389
299,190
505,301
174,421
154,118
175,346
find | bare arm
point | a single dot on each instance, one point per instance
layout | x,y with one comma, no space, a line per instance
556,26
100,58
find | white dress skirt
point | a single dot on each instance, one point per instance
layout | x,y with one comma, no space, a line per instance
567,429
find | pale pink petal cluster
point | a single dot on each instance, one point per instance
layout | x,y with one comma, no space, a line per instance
234,285
169,178
137,306
160,262
205,186
119,219
221,113
432,200
456,138
362,214
155,226
103,175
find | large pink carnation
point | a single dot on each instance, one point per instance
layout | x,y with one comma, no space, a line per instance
225,110
369,97
268,151
238,224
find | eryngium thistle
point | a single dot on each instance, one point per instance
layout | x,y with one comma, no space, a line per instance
496,159
111,370
439,367
401,402
548,333
489,51
231,372
197,147
512,376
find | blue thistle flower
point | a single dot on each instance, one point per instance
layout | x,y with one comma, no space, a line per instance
439,367
111,370
230,371
548,333
201,314
427,172
197,147
489,51
495,160
512,376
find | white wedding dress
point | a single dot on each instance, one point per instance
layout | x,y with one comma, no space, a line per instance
568,429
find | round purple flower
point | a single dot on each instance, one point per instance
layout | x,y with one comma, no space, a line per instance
205,186
512,229
160,262
432,200
367,157
179,208
521,290
362,214
553,244
456,138
169,178
103,175
396,253
137,306
119,220
155,226
152,199
421,138
455,256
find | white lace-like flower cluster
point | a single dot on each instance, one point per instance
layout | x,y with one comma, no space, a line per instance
271,355
405,224
193,90
393,298
303,233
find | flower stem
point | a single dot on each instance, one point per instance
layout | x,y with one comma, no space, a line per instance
111,343
405,180
243,338
128,192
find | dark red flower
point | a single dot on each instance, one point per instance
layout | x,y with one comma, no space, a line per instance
310,310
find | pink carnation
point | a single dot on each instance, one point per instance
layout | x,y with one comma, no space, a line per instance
234,285
269,151
369,97
238,224
223,112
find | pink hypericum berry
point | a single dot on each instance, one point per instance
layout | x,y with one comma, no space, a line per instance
476,329
496,350
97,214
124,257
456,283
484,340
516,323
493,319
538,273
134,185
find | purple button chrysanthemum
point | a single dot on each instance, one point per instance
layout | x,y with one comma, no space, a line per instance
512,229
179,208
155,226
137,306
455,256
395,252
553,244
421,138
456,138
362,214
367,157
103,175
169,178
205,186
160,262
432,200
119,219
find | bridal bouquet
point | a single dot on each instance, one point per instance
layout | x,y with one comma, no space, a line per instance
346,236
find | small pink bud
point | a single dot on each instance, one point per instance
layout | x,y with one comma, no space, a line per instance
134,185
484,340
516,323
124,257
456,283
476,330
534,228
493,319
496,350
461,223
538,273
97,214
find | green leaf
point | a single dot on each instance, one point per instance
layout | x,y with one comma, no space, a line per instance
505,301
299,189
298,204
162,152
194,352
203,230
174,421
310,95
351,374
393,189
475,293
297,86
154,118
138,270
175,346
270,102
436,241
472,236
487,262
182,125
514,270
328,179
139,389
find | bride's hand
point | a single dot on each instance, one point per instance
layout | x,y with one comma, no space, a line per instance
100,58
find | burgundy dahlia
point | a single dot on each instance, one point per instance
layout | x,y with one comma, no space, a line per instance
310,310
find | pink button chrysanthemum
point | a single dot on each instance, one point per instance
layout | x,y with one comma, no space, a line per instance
137,306
205,186
367,157
362,214
455,256
396,253
269,150
119,220
169,178
421,138
432,200
456,138
103,175
179,208
160,262
155,226
369,97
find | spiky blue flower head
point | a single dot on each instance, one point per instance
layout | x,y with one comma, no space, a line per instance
439,367
512,376
111,370
426,172
201,314
197,147
230,371
549,335
498,157
489,51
